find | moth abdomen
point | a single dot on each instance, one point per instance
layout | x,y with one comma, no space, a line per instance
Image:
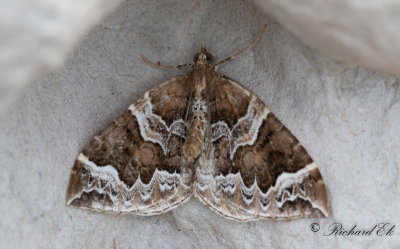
194,144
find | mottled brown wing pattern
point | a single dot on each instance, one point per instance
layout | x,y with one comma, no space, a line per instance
204,134
136,164
256,168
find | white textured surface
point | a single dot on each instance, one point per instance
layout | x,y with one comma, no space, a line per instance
347,118
36,35
355,32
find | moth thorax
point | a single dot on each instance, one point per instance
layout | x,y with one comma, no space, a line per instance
194,143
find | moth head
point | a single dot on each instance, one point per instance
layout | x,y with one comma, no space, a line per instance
203,57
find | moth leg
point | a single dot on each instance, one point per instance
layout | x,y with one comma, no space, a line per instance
163,67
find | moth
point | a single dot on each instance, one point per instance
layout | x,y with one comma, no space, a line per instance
200,134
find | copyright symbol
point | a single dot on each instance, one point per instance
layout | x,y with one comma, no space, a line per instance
314,227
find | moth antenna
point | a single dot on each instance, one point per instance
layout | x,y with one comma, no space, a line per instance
162,67
246,48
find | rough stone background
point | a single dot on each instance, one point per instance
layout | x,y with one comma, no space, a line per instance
348,117
37,35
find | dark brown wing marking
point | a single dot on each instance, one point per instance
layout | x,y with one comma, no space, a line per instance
258,169
135,164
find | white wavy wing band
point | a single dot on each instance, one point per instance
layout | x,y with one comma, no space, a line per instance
230,182
146,118
253,120
106,181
